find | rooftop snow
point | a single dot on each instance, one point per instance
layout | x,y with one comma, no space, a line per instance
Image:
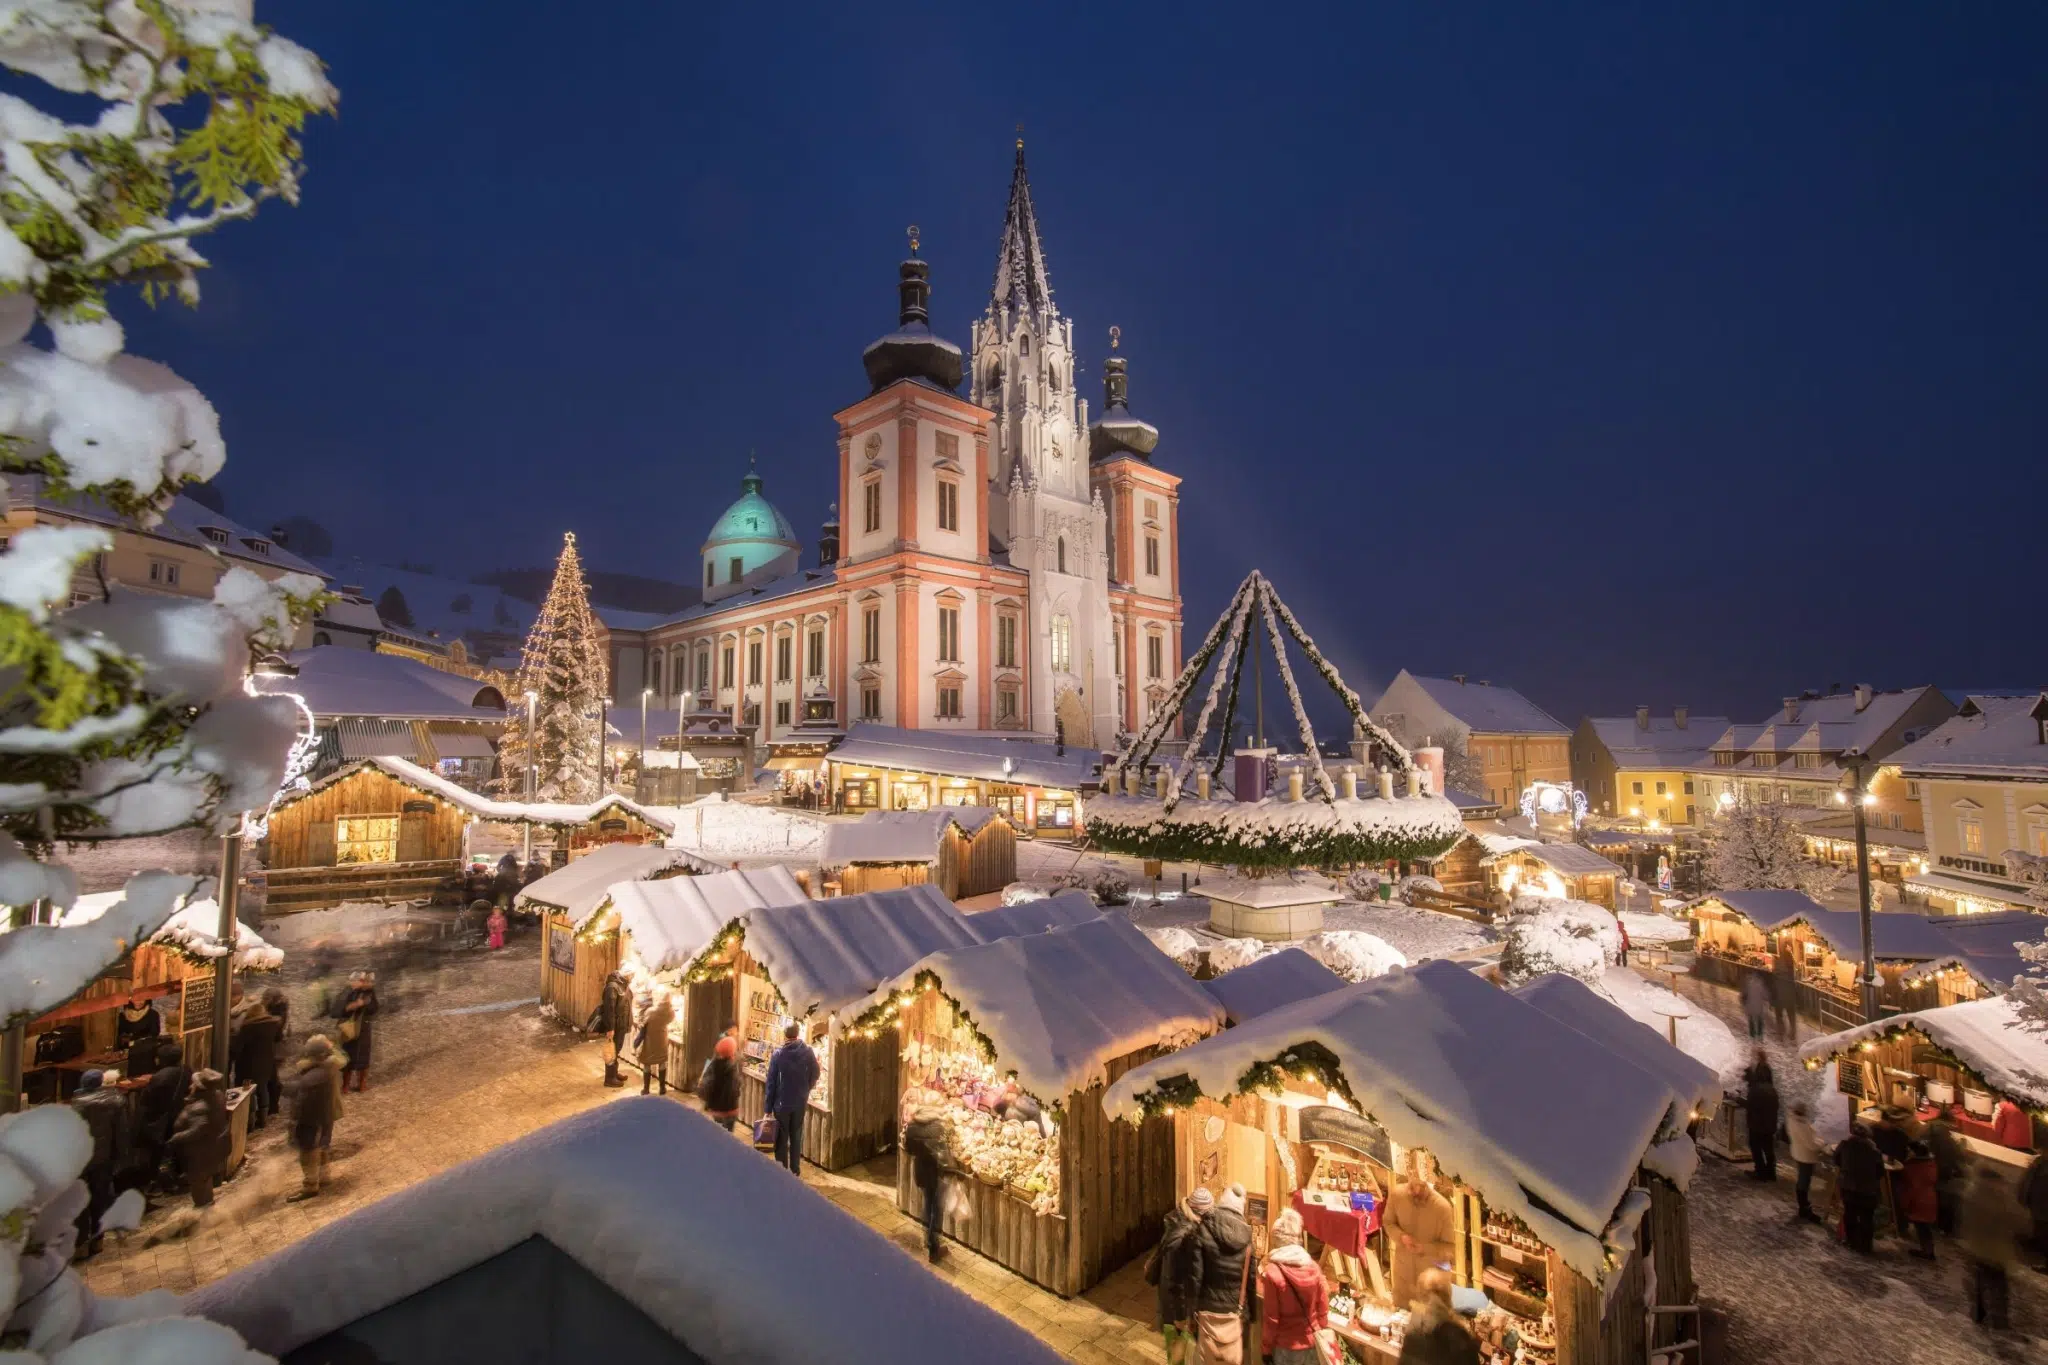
825,955
688,1226
484,808
1032,763
580,888
1034,917
1990,1036
1570,1001
194,928
2001,739
897,836
1490,708
674,920
1277,979
1665,744
1895,936
181,524
1542,1120
337,681
1569,859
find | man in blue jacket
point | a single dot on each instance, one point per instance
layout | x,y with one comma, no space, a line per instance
792,1071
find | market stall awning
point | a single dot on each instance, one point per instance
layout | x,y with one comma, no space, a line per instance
1991,1037
1277,979
674,920
897,836
806,763
580,888
824,955
1031,763
1567,859
1947,884
375,739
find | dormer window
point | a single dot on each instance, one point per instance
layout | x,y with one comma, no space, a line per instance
218,535
257,545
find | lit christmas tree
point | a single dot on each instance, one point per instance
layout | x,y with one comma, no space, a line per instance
563,666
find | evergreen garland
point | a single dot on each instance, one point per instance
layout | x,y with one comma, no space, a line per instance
1138,827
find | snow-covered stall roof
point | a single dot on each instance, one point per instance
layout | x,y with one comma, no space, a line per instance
1545,1122
1274,980
1032,763
1894,936
485,808
686,1225
898,836
1986,946
674,920
193,929
1767,908
1571,1001
1060,1006
1034,917
1991,1037
337,681
1569,859
1496,838
580,888
825,955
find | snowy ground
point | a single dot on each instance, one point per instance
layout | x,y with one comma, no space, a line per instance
1417,935
1702,1035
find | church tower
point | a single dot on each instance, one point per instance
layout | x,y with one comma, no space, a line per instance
1041,506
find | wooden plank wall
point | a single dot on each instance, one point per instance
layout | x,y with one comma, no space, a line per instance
988,862
575,994
858,878
708,1006
302,833
1118,1181
997,1225
1670,1235
1595,1328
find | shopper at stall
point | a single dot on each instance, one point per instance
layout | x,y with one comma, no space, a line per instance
2010,1126
200,1139
792,1071
1295,1300
105,1111
1172,1269
256,1059
1756,1005
2034,1199
358,1011
156,1108
654,1041
719,1084
1419,1225
1860,1180
1892,1139
1222,1269
315,1088
1988,1226
1806,1154
924,1142
1918,1205
1761,1108
1436,1335
613,1021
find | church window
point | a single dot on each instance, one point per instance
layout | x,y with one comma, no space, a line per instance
785,650
871,703
1006,706
949,504
654,674
1060,554
725,667
1024,343
871,506
710,573
949,634
1062,644
1006,641
703,670
815,664
753,662
1155,656
949,703
735,569
1052,378
1152,555
782,713
1116,651
871,636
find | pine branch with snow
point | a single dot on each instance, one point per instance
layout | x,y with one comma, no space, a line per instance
563,668
1755,845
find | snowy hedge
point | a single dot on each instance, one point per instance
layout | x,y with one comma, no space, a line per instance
1558,936
1275,834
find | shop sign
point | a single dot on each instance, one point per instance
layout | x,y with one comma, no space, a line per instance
1849,1078
417,808
612,826
1342,1128
562,949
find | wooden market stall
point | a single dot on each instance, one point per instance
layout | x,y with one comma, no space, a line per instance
573,963
1981,1063
963,850
1065,1197
1565,871
1554,1137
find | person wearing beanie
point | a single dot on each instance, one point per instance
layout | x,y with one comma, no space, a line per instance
200,1137
719,1084
105,1111
1223,1246
1296,1302
1172,1269
315,1089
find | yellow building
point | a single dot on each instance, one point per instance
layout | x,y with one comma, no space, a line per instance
1515,741
1642,767
1981,780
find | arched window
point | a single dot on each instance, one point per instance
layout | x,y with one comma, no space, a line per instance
1052,378
1061,546
654,674
1062,644
710,574
1024,343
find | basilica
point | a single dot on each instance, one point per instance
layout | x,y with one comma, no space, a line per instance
1002,566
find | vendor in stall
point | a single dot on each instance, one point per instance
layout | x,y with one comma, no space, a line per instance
1420,1226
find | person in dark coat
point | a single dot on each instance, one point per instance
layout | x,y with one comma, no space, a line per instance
1221,1276
200,1138
2033,1197
719,1085
1988,1228
256,1060
1951,1167
1172,1269
105,1111
1860,1168
315,1088
140,1064
792,1071
137,1019
924,1142
1762,1110
505,885
1436,1335
358,1010
157,1106
613,1018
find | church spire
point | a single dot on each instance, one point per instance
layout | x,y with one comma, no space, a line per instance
1021,281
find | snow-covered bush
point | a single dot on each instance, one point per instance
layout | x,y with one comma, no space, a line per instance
1110,887
1558,936
1178,944
126,716
1020,893
1352,953
1755,845
1417,883
1363,883
1228,954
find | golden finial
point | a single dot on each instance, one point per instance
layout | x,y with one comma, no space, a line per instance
1020,137
1115,334
913,239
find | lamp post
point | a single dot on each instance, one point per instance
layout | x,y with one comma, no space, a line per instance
645,693
532,759
682,721
269,666
1858,763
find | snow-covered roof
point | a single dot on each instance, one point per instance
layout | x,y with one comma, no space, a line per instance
1274,980
186,521
1664,743
898,836
825,955
672,921
1496,838
484,808
1895,936
1032,763
338,681
1060,1006
1547,1123
1571,1001
1490,708
1569,859
800,581
1419,817
1765,907
193,929
714,1244
1034,917
1991,737
580,888
1991,1037
1826,725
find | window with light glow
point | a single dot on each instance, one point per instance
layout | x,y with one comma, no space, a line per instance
366,839
1970,830
1062,643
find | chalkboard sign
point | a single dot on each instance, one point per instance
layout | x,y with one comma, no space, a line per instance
196,1003
1255,1210
417,808
1849,1078
1342,1128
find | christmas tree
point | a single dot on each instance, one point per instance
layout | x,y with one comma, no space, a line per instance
563,668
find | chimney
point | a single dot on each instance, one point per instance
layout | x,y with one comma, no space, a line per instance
1864,692
1678,715
279,538
1792,709
828,538
1458,678
1642,718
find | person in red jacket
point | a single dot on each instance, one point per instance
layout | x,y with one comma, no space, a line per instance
1918,1203
2011,1126
1296,1301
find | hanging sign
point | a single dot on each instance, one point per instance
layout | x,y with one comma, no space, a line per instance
1342,1128
1849,1078
562,949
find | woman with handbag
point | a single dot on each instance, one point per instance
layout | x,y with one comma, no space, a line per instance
1297,1302
1223,1253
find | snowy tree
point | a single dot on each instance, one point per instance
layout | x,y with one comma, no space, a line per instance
393,609
128,715
1754,844
1545,935
563,666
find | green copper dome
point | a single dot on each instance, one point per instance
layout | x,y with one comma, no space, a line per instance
749,537
752,518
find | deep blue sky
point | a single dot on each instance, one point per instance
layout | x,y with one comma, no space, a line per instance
1637,353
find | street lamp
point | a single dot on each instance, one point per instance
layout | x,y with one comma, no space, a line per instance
1857,763
645,693
532,758
268,666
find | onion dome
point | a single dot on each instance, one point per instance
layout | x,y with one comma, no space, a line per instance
1116,432
750,536
912,351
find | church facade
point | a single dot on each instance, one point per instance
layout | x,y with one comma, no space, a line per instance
996,563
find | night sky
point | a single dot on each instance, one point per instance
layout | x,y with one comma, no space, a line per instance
1627,354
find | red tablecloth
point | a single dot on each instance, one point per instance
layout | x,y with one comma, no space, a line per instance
1340,1228
1981,1129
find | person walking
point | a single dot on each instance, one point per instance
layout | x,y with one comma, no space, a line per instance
1756,1004
256,1059
1221,1274
1918,1204
495,924
1951,1167
200,1139
613,1019
1806,1154
358,1013
315,1088
1783,990
1988,1227
1295,1300
105,1111
1860,1168
1171,1270
1621,954
924,1142
1436,1335
1761,1107
1892,1142
279,1007
654,1040
719,1085
1420,1226
156,1108
505,882
792,1071
2033,1196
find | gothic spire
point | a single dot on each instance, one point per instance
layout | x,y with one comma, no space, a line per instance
1021,281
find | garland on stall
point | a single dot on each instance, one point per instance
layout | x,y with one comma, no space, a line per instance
1139,827
886,1014
1941,1054
703,968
